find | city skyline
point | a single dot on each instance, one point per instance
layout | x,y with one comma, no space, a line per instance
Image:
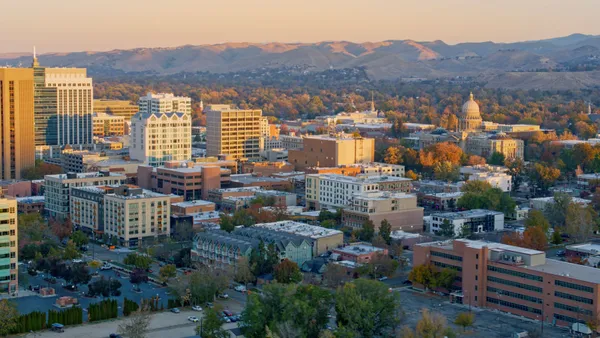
185,22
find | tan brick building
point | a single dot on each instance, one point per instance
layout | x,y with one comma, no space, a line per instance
332,151
233,132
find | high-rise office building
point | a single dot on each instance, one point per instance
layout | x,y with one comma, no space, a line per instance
235,132
9,251
63,101
17,145
116,108
165,103
160,137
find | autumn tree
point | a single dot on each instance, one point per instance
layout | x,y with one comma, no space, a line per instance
167,272
465,319
385,231
335,275
580,222
62,229
533,237
431,325
475,160
392,156
556,211
137,325
9,316
243,272
412,175
422,274
543,176
287,272
445,171
537,218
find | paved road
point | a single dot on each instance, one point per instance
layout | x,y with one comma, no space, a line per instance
488,323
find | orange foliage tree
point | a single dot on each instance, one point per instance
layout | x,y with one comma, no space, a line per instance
533,238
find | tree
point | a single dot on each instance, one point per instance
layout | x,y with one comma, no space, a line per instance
9,316
537,218
166,272
429,326
446,229
368,231
263,259
79,238
287,272
329,223
481,195
31,228
96,264
380,265
367,308
211,326
335,275
556,238
533,238
465,231
445,171
62,229
445,278
137,325
243,273
580,222
496,158
543,176
392,156
422,274
114,241
104,287
71,251
138,260
556,212
475,160
79,274
138,276
385,230
465,319
412,175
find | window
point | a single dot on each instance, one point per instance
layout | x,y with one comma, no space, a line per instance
513,305
573,297
447,256
574,286
448,266
515,273
514,295
565,318
515,284
573,309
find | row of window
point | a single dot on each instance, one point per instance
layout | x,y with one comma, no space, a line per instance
448,266
514,305
515,273
573,297
574,286
515,284
514,295
573,309
447,256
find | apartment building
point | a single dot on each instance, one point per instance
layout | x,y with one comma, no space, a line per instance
516,280
477,220
192,207
57,189
104,125
336,191
501,181
188,179
164,103
9,251
332,151
120,108
267,183
290,142
30,205
364,169
324,239
233,204
17,143
441,200
157,138
235,132
399,209
485,146
135,215
80,161
87,208
588,181
359,253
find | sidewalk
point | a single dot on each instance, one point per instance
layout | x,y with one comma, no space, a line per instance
21,293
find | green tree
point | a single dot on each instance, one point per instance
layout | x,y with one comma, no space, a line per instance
368,231
556,238
537,218
445,171
211,326
79,238
556,212
431,325
114,241
166,272
287,272
496,158
445,278
9,316
543,176
446,229
71,251
422,274
465,231
243,272
465,319
367,308
138,260
329,223
385,230
580,222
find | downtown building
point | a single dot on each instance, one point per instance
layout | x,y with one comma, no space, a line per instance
121,108
157,138
235,132
516,280
476,220
17,146
57,189
332,151
9,251
164,103
63,107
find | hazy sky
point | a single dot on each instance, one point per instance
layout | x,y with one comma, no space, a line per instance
77,25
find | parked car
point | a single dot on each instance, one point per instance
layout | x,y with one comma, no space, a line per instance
193,319
106,266
56,327
224,296
227,313
76,261
175,310
197,308
240,288
209,305
381,279
407,282
560,253
226,319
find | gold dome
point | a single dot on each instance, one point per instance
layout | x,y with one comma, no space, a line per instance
470,110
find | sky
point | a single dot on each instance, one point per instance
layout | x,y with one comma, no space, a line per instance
87,25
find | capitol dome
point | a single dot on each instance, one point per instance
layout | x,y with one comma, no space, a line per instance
470,119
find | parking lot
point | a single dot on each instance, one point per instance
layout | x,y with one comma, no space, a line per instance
488,323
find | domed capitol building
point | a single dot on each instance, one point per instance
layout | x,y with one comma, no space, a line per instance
470,118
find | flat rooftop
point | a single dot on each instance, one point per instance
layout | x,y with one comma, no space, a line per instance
399,234
467,213
300,229
361,179
30,199
359,249
274,193
446,194
589,248
188,204
575,271
241,189
448,245
84,175
382,195
249,178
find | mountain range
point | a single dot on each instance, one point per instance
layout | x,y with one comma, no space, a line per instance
560,63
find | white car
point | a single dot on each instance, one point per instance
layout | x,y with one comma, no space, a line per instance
77,261
193,319
196,308
224,296
240,288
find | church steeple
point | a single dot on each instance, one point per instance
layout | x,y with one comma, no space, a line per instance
35,62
